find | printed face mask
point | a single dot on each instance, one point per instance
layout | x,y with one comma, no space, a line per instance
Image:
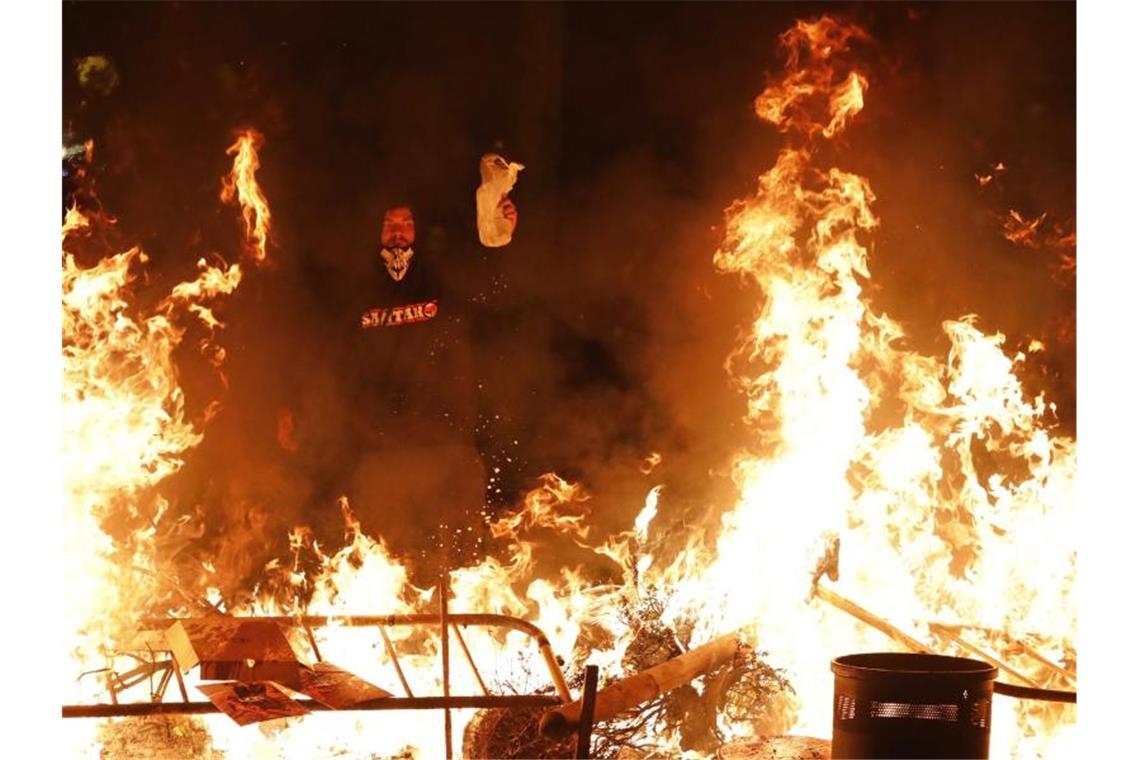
396,261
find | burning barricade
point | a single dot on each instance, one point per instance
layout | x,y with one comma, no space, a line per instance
705,641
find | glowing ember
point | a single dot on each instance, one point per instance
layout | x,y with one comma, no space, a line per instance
1020,230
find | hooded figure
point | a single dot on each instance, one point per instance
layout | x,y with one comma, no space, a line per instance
410,375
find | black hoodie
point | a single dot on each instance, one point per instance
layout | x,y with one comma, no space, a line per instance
410,367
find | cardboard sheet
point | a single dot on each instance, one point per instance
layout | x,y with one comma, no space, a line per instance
251,701
228,648
336,687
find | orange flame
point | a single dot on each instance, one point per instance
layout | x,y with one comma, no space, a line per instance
1021,230
927,532
808,89
949,495
74,221
125,429
242,182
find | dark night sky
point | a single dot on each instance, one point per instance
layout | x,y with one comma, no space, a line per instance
635,124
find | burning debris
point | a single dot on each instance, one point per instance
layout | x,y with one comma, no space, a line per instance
511,733
125,429
995,171
158,737
1056,238
950,495
655,701
1021,230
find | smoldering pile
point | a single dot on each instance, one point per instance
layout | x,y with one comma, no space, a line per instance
740,689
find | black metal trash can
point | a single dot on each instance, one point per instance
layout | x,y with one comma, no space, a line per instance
893,705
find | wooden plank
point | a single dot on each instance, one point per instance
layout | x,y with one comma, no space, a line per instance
872,620
626,693
984,655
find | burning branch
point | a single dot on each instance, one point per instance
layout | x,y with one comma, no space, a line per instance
626,693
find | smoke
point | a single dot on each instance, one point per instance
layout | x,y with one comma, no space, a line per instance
958,93
602,329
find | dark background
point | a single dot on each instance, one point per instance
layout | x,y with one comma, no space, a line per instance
608,337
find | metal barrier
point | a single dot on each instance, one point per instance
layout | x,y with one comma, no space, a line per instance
162,665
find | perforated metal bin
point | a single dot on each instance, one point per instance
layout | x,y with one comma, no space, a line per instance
893,705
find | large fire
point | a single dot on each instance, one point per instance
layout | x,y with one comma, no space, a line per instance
125,429
941,483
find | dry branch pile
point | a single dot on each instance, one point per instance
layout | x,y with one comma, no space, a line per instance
743,690
157,737
511,733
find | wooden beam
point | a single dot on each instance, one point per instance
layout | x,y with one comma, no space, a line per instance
626,693
848,606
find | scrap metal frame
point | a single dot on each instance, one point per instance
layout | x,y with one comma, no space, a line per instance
165,668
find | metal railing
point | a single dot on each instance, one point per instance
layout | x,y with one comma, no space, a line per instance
165,667
160,664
